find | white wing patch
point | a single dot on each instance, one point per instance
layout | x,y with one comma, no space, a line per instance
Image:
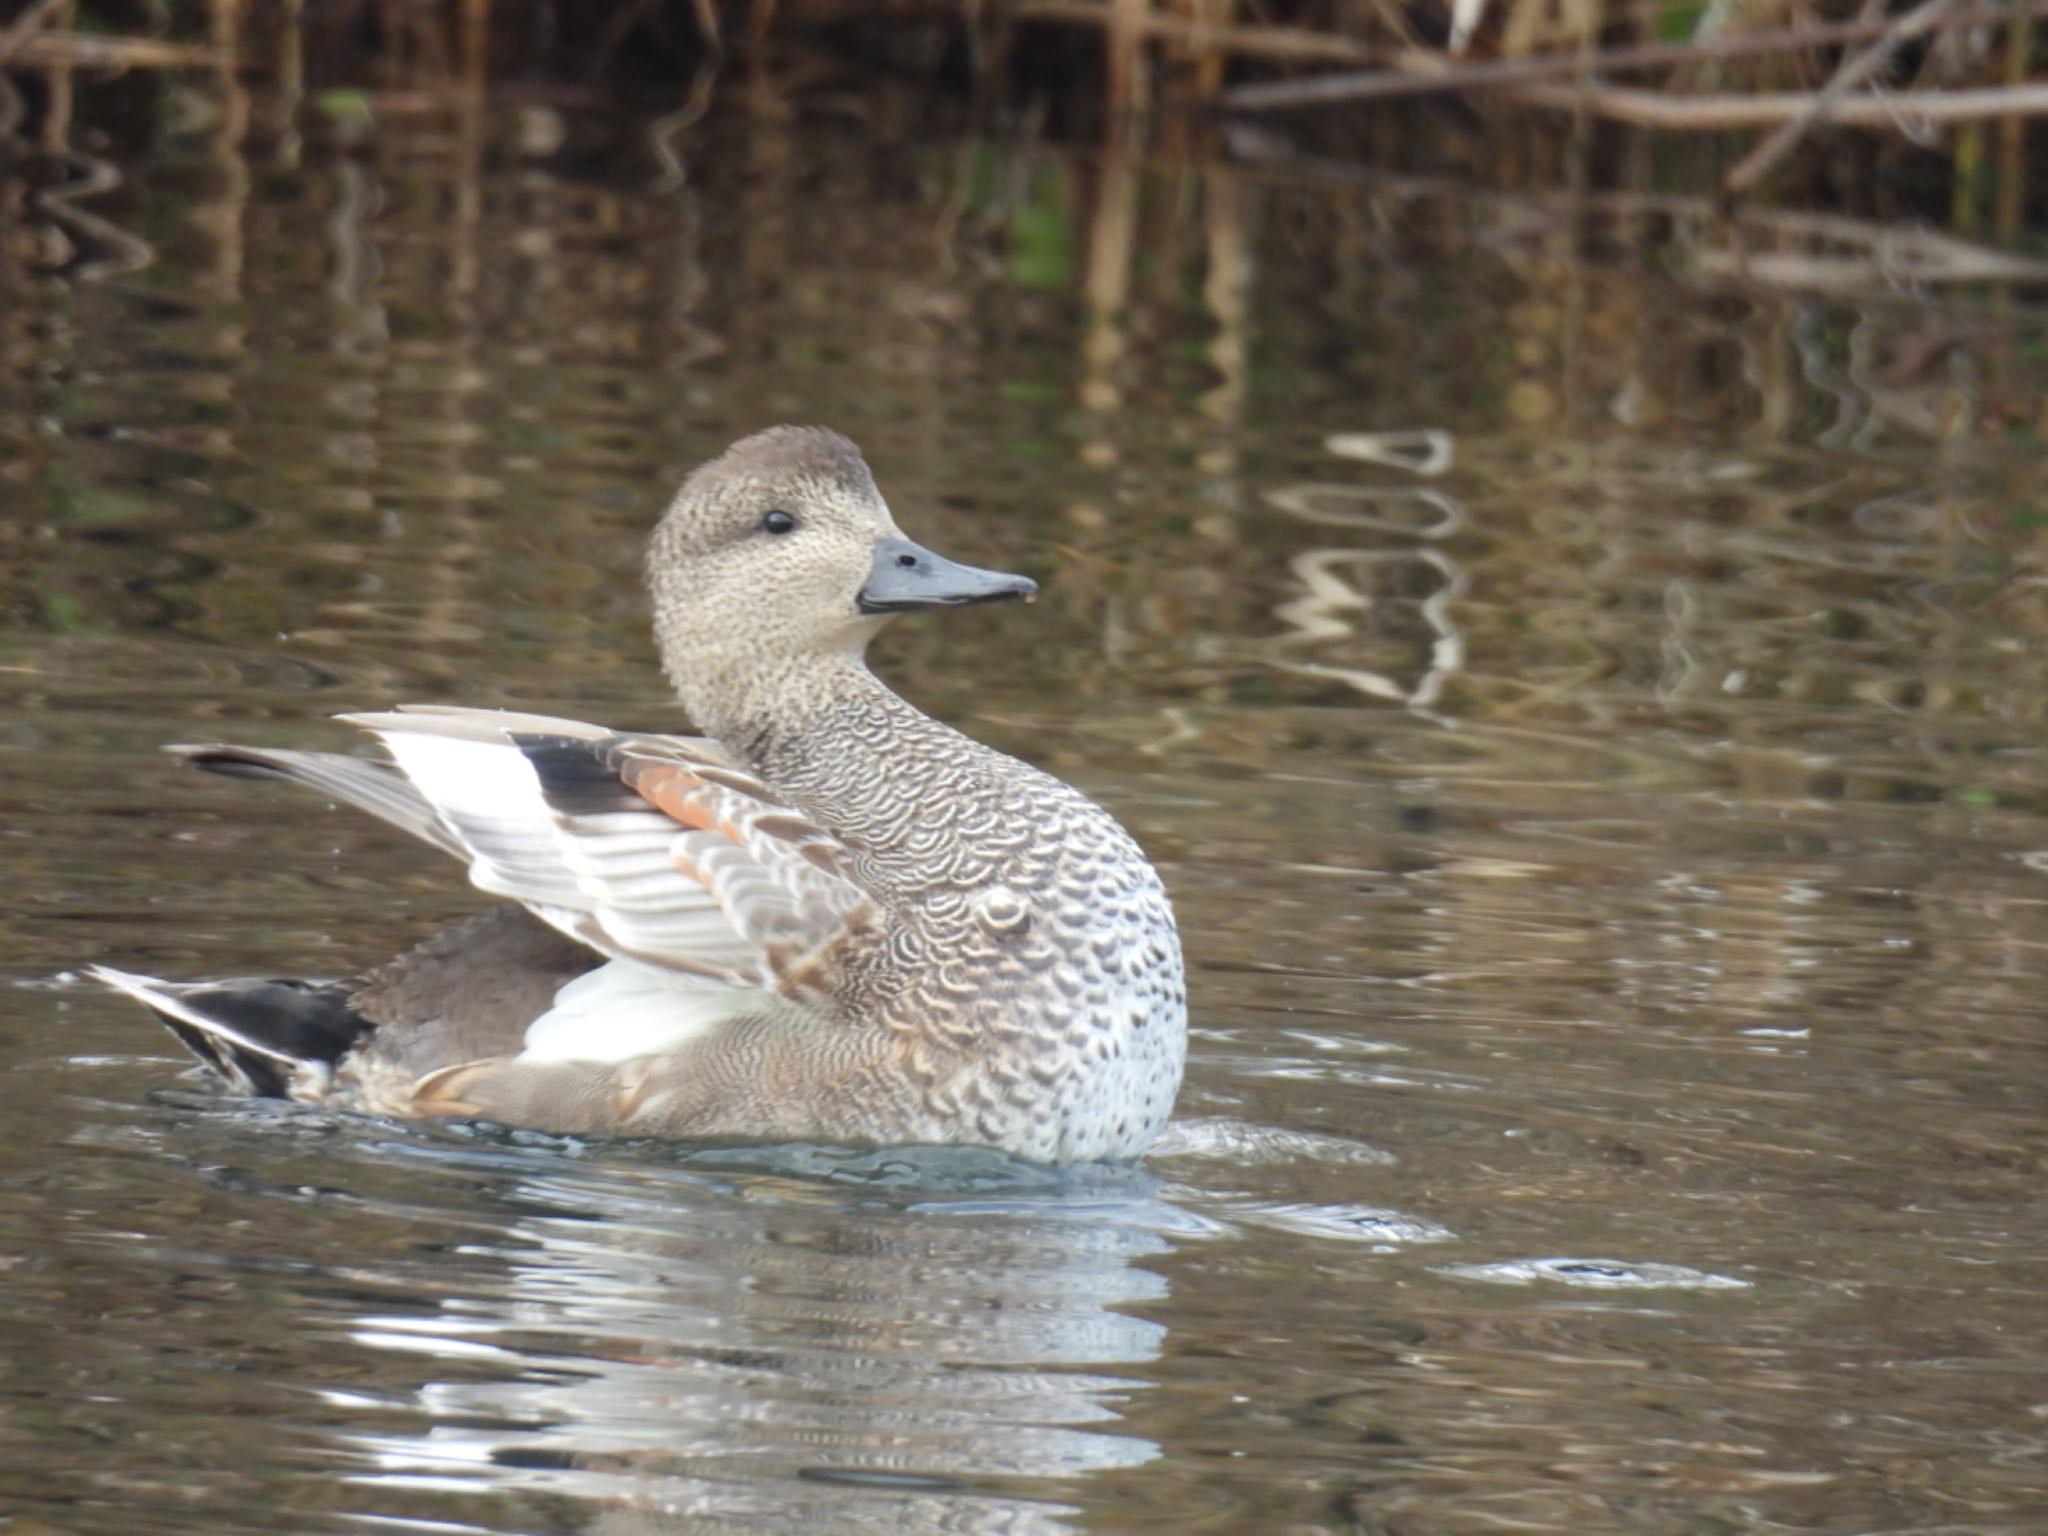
653,849
489,795
625,1009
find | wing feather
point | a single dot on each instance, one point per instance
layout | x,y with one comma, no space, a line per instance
658,849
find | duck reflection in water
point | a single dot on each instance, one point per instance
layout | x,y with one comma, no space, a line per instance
806,1356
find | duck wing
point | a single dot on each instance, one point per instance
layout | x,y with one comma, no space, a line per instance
656,849
371,786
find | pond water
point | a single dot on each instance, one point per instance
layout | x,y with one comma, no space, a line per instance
1587,706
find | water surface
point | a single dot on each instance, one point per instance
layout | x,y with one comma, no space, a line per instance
1589,712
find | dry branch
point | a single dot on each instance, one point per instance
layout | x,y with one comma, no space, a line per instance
1654,109
1417,73
91,51
25,27
1828,99
1299,43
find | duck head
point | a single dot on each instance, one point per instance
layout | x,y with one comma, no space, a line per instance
781,552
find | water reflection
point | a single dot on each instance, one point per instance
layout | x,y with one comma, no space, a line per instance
1587,707
1342,587
782,1354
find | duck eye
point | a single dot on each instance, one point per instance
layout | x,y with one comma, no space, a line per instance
779,521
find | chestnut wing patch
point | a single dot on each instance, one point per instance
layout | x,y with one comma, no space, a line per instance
776,876
651,848
783,878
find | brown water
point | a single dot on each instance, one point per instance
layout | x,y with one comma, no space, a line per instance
1610,835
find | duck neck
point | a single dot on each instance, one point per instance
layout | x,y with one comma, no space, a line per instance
776,717
860,760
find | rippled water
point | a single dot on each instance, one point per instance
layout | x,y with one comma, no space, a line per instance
1590,718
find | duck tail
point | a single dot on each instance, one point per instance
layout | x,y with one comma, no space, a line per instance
271,1039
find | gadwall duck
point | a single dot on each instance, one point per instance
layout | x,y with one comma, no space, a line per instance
829,918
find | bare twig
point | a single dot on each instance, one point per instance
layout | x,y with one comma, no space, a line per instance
1655,109
1418,72
1828,99
1298,43
91,51
26,25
